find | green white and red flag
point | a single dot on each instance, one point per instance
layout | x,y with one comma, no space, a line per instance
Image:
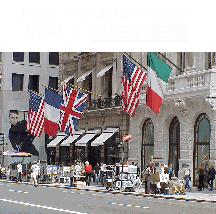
158,74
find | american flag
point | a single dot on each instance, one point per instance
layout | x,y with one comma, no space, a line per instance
35,114
71,109
132,80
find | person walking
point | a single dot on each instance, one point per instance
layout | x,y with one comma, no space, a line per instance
88,173
102,174
211,176
19,172
201,173
35,171
96,171
186,175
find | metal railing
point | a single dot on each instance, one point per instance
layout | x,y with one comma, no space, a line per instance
103,103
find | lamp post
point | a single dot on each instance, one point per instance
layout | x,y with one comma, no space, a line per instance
2,140
126,137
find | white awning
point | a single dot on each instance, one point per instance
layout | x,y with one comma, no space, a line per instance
108,133
67,79
56,140
86,138
71,139
104,70
83,77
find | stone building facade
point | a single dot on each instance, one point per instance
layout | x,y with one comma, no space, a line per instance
184,130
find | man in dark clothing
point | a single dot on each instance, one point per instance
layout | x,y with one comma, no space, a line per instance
102,174
201,173
211,176
96,171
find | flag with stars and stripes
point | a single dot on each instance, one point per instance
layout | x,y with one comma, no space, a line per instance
132,81
35,122
71,109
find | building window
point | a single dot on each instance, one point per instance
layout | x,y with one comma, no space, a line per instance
180,61
209,59
17,82
174,145
201,153
54,58
87,84
71,81
147,149
34,83
18,56
34,57
108,83
53,82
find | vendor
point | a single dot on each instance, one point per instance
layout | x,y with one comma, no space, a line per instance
147,173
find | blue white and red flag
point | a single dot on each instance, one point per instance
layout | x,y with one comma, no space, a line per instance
71,109
132,81
52,106
35,122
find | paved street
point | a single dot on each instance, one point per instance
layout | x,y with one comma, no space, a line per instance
24,198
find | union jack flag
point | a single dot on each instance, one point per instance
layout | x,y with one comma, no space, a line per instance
71,109
35,114
132,80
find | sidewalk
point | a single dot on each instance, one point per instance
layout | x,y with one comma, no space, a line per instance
194,195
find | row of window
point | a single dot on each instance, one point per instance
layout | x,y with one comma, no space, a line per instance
34,57
17,82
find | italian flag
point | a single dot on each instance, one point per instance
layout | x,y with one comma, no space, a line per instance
157,76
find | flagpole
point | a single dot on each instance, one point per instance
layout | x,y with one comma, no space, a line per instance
74,87
42,95
52,88
170,62
134,60
84,90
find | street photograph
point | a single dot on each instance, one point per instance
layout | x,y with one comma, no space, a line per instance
119,132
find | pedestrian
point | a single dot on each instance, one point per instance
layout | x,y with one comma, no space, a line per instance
187,176
96,172
102,174
8,172
211,176
146,174
0,171
88,173
35,171
77,168
201,173
19,172
171,171
138,169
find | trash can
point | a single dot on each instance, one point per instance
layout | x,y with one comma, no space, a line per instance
72,180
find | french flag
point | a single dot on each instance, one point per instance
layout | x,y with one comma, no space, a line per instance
52,107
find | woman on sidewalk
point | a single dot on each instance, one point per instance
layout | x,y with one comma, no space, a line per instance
187,177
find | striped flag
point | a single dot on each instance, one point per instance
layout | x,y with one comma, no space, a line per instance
132,81
35,114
